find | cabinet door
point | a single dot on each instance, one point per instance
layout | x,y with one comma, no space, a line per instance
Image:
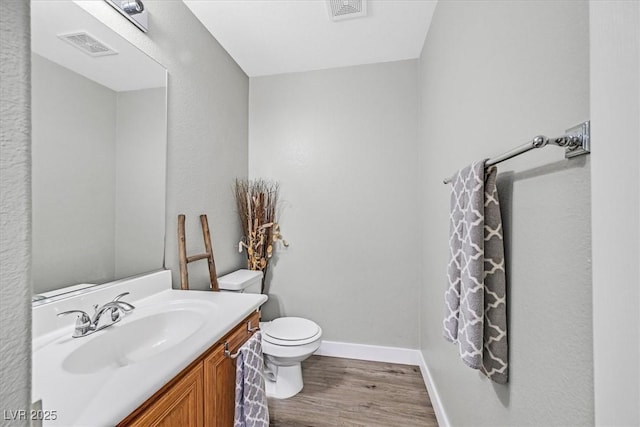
220,376
181,405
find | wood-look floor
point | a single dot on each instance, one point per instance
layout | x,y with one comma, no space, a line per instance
347,392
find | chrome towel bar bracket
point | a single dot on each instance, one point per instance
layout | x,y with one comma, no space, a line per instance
250,329
228,354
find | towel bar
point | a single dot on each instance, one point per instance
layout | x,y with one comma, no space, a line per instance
226,344
576,141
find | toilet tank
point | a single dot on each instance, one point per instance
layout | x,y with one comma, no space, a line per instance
241,281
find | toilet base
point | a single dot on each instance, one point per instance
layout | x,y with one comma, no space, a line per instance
288,381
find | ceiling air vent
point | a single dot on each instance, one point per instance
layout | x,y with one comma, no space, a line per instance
88,44
347,9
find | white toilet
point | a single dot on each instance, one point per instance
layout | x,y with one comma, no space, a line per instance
286,341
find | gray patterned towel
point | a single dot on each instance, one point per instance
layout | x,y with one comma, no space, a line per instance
475,312
251,408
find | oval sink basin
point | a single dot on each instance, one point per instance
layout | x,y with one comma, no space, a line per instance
132,341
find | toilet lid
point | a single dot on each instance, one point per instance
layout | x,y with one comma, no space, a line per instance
291,329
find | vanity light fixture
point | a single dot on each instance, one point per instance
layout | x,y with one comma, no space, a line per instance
132,7
133,10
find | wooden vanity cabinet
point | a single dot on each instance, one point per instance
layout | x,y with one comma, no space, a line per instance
178,405
202,395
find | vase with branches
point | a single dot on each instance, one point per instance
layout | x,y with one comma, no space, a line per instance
256,201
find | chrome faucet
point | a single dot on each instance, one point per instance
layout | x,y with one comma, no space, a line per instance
86,325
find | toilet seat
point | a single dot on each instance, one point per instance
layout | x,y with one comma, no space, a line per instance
290,331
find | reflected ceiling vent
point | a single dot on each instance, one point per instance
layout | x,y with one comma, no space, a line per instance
88,44
347,9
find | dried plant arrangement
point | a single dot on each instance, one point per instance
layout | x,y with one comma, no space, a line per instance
256,201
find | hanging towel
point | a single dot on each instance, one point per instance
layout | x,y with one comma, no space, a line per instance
495,356
475,300
251,408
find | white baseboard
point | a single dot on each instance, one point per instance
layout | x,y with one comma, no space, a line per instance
376,353
436,402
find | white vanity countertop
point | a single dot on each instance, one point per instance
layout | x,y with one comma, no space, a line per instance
90,393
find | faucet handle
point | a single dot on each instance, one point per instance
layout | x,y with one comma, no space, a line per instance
83,322
124,294
125,306
84,317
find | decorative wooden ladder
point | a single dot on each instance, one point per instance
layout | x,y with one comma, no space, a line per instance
208,255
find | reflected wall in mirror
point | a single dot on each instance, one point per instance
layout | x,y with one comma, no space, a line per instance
98,152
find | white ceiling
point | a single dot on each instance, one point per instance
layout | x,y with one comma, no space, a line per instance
283,36
130,69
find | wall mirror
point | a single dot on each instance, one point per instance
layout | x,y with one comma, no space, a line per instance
99,125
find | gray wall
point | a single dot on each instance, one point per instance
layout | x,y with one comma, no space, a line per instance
73,157
15,208
207,130
140,180
614,30
343,143
493,75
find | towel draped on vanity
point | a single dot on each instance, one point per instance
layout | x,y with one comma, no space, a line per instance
251,408
475,309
